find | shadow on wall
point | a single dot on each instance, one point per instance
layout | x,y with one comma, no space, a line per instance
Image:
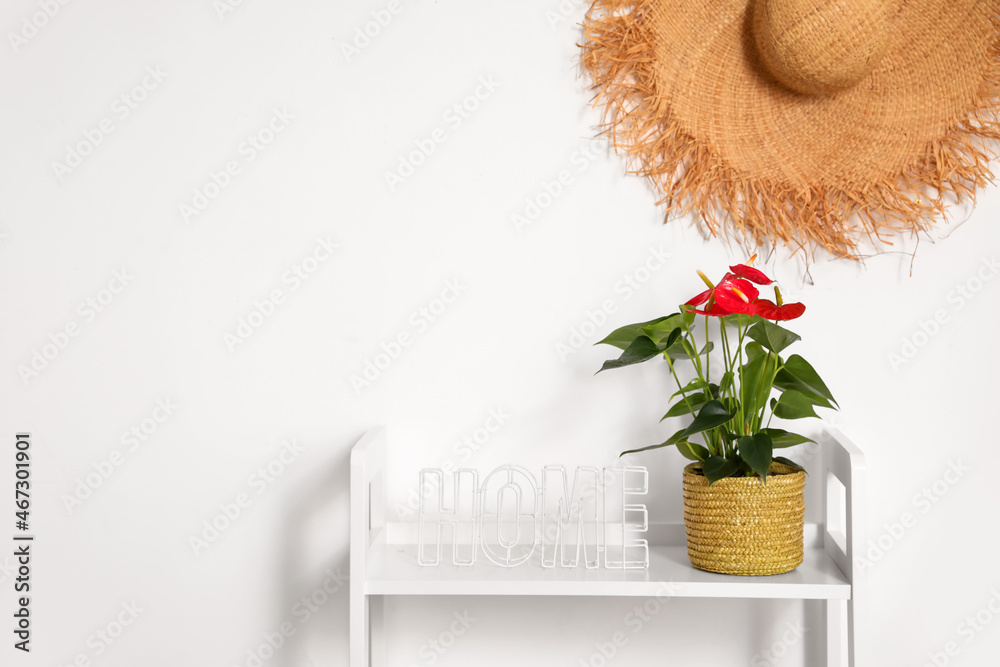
315,590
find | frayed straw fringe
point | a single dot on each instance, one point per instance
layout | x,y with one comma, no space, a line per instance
618,53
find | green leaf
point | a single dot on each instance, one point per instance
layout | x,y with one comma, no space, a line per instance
800,376
711,415
781,438
727,381
793,405
692,450
669,329
716,468
787,462
738,320
693,385
624,336
681,407
771,336
756,450
672,338
755,351
752,377
672,440
641,349
677,351
729,436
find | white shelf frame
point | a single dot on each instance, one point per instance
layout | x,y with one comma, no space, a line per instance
383,560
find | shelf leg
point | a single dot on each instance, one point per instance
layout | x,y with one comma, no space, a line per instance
852,643
837,634
360,655
376,630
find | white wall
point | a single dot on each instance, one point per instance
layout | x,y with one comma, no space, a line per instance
162,336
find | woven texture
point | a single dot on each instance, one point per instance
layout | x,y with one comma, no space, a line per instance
688,98
741,526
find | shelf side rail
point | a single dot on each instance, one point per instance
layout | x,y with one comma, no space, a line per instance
844,534
368,458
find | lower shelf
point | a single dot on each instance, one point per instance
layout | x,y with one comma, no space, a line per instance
393,570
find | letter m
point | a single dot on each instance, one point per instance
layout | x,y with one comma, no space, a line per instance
571,517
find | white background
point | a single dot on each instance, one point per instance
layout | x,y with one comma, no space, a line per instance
522,293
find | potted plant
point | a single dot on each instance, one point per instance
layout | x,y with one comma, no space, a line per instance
743,506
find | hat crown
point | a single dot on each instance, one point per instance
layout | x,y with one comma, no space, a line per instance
820,47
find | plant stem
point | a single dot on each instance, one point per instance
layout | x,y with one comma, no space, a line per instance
738,363
776,370
762,400
708,355
670,363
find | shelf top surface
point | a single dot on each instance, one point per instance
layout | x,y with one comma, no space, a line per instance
393,570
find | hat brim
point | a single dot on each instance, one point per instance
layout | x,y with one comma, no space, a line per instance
687,98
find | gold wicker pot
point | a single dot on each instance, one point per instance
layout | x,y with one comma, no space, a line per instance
741,526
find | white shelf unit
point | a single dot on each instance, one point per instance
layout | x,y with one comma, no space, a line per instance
384,560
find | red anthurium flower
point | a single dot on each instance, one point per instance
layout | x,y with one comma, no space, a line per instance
749,273
771,311
736,296
778,311
730,297
714,310
700,299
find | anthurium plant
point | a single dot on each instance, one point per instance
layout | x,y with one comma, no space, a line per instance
732,401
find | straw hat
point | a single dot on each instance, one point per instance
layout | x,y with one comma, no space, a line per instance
802,123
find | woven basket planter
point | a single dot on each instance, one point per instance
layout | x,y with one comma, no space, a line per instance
741,526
